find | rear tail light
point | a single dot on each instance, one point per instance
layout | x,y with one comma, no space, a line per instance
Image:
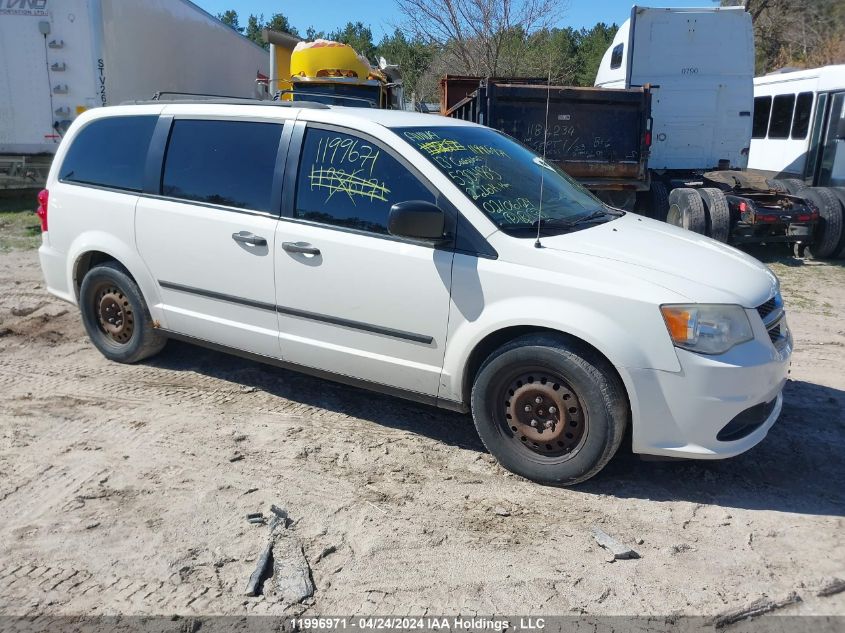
807,217
767,218
648,133
41,212
743,207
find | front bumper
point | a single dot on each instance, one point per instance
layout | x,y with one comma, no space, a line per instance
680,414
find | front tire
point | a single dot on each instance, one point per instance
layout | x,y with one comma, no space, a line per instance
549,409
116,316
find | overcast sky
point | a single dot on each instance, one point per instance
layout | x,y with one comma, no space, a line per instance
380,15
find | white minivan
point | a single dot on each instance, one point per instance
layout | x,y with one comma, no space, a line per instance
421,256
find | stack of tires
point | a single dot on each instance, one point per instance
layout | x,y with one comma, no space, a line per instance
829,238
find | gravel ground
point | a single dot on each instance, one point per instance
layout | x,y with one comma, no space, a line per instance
124,489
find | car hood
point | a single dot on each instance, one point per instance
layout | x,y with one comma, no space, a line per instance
697,267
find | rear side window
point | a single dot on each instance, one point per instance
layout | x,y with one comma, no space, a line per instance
110,152
348,181
801,120
781,116
616,56
229,163
762,108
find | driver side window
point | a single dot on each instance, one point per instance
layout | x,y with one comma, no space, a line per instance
348,181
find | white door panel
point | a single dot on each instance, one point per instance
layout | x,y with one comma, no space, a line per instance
366,307
212,286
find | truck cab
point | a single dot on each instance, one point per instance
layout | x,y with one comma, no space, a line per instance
700,64
331,73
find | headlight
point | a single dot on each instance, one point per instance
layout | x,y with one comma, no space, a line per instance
707,329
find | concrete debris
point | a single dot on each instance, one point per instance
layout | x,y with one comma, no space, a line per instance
758,607
291,581
615,547
282,572
501,511
262,570
837,585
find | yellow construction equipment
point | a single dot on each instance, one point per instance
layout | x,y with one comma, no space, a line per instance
329,72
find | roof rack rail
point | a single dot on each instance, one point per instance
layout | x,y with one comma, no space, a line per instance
311,105
158,95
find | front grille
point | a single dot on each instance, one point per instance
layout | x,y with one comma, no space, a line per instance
767,308
771,312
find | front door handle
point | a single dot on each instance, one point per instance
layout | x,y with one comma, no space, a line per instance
300,247
245,237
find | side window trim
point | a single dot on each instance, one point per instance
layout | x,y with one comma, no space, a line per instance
64,179
154,168
292,172
155,155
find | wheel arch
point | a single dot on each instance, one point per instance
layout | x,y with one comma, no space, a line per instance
91,249
496,339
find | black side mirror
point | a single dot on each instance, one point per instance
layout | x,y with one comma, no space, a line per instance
417,220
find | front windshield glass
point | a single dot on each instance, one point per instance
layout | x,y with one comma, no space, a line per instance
503,178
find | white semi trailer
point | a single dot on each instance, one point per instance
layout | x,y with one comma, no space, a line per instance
700,65
59,58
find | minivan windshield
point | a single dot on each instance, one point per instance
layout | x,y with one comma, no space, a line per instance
504,178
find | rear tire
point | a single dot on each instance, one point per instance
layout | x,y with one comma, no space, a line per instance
718,213
839,192
575,397
686,210
792,185
827,240
116,316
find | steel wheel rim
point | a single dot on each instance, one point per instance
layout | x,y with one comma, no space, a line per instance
114,314
543,415
674,216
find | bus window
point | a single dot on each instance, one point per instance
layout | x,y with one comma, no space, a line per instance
832,169
762,107
782,106
815,138
801,119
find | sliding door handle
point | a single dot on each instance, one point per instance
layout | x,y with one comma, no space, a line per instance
245,237
300,247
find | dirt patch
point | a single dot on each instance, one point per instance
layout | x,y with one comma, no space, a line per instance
118,492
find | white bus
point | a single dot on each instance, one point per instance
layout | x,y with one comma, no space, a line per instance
799,126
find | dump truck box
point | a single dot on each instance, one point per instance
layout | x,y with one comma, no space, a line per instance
600,137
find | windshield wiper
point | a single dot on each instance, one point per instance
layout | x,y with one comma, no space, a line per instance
558,223
566,223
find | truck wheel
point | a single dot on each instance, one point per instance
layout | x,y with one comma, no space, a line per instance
828,235
549,409
791,185
116,317
718,213
658,201
839,192
777,185
687,210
